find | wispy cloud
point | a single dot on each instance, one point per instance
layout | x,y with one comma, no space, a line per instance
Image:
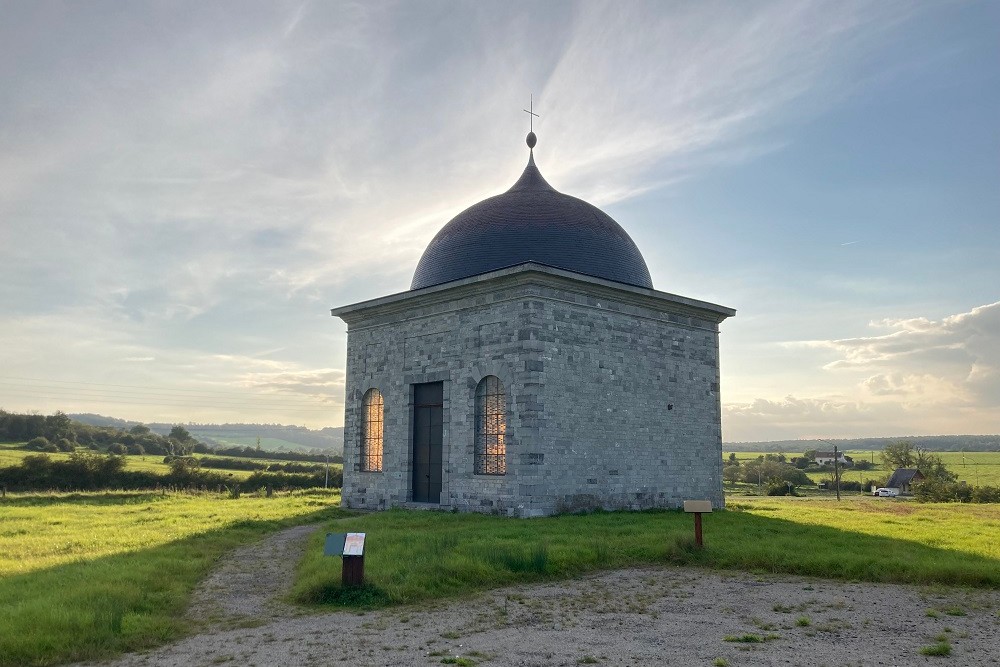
178,196
921,376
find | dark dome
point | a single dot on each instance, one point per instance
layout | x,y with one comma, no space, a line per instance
531,222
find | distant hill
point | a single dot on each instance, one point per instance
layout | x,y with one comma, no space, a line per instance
936,443
273,437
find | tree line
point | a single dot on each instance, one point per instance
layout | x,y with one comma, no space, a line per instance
58,433
91,471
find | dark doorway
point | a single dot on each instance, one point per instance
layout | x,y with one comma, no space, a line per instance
428,437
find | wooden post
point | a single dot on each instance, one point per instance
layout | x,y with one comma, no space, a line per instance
351,547
696,507
353,571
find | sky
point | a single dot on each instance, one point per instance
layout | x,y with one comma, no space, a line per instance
187,188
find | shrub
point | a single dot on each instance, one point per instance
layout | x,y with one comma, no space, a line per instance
66,445
39,444
939,491
117,448
769,471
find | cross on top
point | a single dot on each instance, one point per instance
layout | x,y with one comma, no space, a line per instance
531,113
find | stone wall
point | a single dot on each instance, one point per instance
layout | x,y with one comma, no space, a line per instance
630,403
611,402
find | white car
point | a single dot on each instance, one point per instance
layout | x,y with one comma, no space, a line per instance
886,493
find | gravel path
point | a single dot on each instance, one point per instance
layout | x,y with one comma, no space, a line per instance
647,616
245,587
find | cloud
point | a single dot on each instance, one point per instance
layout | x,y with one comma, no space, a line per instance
615,119
922,376
794,418
78,360
177,196
956,357
325,385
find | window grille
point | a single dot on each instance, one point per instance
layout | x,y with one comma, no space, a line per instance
371,431
491,427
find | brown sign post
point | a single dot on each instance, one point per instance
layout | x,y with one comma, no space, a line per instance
698,507
351,546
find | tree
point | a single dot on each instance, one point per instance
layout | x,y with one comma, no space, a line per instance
932,467
904,455
772,472
139,429
899,455
58,426
180,434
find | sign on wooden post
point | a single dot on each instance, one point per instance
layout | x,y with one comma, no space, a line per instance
352,547
697,507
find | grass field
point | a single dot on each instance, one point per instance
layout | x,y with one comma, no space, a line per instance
413,556
84,576
11,455
271,444
976,468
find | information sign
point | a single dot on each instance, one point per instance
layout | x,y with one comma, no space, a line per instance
354,545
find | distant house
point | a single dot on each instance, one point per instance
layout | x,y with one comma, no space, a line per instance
827,459
903,479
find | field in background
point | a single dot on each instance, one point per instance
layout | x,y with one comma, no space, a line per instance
269,444
977,468
88,575
11,455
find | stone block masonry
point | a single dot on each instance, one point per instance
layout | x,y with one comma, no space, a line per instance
612,392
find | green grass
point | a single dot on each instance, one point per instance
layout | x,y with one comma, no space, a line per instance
412,556
270,444
942,648
84,576
976,468
11,455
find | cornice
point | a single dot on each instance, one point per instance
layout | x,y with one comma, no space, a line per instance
531,273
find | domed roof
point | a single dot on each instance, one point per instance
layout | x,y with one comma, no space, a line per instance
532,222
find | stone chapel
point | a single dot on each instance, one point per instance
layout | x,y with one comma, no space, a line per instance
532,369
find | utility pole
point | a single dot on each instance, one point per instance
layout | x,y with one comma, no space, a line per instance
326,482
836,465
836,469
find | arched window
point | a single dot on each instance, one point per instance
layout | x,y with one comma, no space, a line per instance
491,427
371,431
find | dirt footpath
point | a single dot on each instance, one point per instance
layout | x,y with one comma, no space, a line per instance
648,616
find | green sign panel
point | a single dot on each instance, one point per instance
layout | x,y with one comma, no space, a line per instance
344,544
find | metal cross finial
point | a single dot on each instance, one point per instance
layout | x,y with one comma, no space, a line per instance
531,113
